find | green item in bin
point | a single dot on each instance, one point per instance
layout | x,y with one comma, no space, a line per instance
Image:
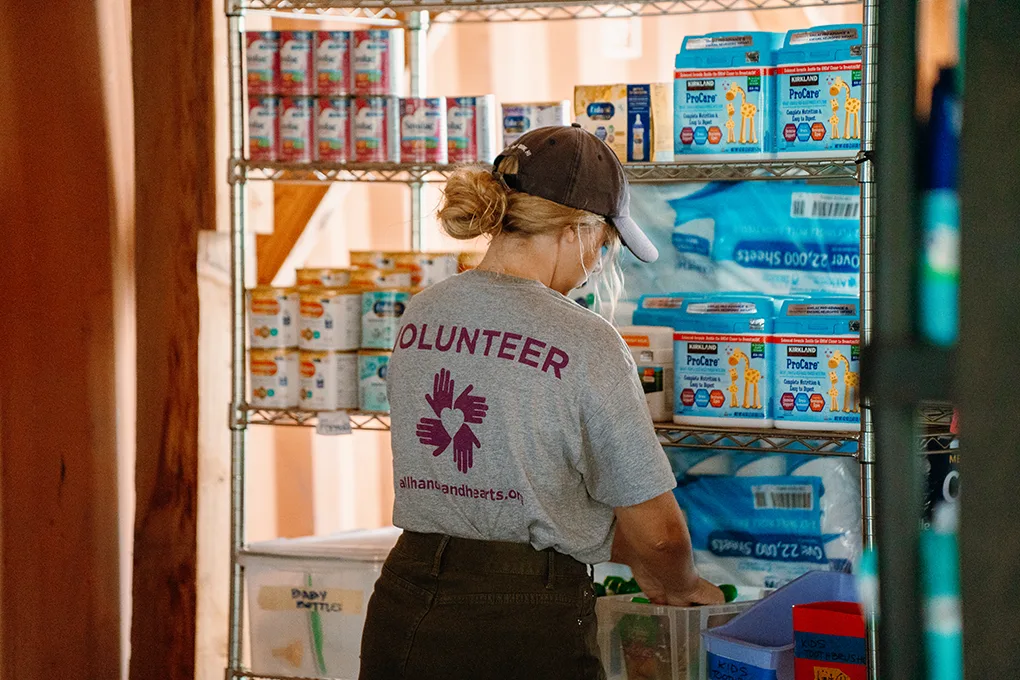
629,588
640,600
729,591
600,590
613,584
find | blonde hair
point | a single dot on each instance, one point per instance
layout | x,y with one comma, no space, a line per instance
475,203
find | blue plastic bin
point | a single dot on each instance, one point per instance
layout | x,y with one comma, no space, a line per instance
758,645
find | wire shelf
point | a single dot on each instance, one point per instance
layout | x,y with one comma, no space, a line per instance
641,173
476,11
292,417
759,441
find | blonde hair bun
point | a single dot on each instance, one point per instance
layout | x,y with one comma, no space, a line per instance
474,204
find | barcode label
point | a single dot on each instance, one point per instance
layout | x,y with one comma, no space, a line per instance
825,206
791,497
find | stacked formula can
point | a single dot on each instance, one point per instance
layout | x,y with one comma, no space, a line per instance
333,97
325,344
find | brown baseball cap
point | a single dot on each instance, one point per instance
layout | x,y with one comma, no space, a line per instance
568,165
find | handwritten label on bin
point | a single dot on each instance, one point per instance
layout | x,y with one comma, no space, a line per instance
325,600
333,423
721,668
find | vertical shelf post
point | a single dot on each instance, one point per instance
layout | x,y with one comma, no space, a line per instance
238,427
891,362
867,181
418,27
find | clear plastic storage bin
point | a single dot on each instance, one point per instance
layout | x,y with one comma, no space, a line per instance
307,599
654,642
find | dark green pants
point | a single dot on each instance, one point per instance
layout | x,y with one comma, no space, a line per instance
449,608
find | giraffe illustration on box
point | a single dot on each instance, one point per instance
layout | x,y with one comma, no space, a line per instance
834,120
851,383
748,111
751,378
733,389
833,392
852,106
730,137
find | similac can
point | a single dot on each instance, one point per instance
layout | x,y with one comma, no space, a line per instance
329,380
324,277
364,278
423,130
471,129
376,129
469,259
426,268
263,128
395,278
274,377
273,314
329,319
368,258
377,61
380,316
372,368
333,62
333,129
297,129
297,63
263,61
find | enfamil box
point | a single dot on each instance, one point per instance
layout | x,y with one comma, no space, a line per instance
634,120
723,95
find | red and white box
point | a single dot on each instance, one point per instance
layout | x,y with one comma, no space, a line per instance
297,63
376,129
262,58
333,129
423,130
297,129
377,62
333,62
471,129
263,127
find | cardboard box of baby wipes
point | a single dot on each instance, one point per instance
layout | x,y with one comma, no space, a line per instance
635,120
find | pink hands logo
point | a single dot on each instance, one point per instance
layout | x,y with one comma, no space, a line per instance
453,421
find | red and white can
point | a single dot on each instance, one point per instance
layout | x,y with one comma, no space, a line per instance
333,129
263,128
376,129
471,129
423,130
262,57
333,62
297,129
297,62
377,61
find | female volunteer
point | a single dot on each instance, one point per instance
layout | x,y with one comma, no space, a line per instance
522,447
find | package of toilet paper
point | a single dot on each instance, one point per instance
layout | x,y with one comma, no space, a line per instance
762,520
773,238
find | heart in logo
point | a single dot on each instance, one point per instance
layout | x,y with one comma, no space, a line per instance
452,420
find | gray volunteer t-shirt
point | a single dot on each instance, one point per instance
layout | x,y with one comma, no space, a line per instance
517,416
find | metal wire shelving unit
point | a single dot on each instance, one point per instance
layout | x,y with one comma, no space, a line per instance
415,16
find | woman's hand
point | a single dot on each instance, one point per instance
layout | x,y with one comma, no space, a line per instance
652,539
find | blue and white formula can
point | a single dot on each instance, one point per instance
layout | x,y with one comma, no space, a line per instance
817,365
819,92
723,358
380,317
372,368
723,95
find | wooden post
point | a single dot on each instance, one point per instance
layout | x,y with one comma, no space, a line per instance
58,446
175,197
